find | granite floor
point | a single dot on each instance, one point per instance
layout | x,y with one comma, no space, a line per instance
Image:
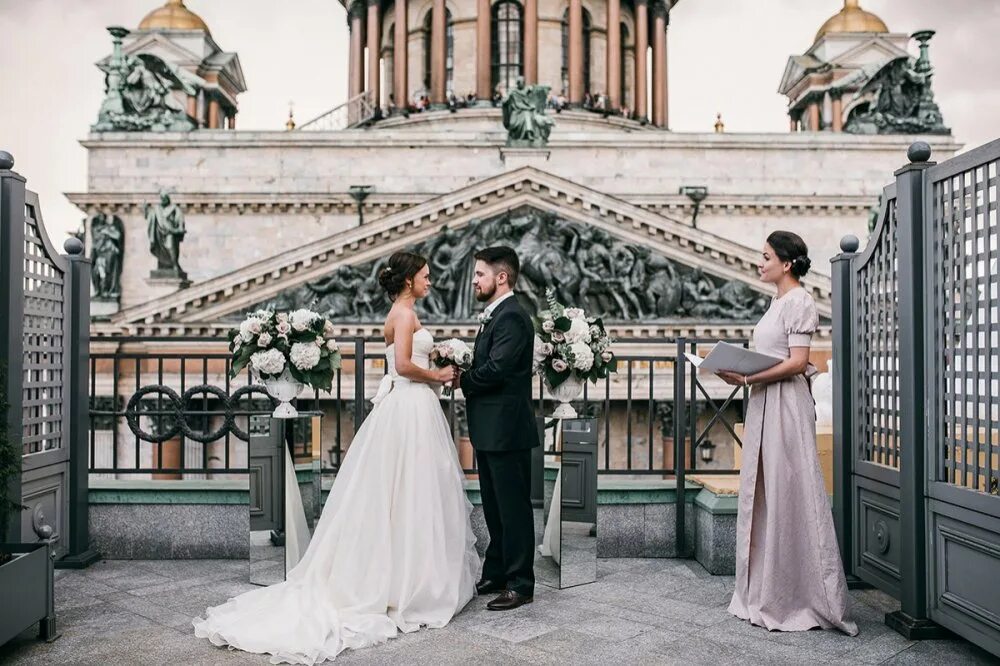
638,612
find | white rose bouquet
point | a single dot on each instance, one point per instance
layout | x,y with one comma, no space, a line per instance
451,352
301,342
568,343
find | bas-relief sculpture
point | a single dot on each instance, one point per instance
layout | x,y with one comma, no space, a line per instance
524,116
585,265
165,228
107,235
902,101
138,93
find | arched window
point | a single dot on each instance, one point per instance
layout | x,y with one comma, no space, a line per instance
586,51
508,47
449,56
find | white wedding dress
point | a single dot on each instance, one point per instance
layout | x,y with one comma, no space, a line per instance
393,550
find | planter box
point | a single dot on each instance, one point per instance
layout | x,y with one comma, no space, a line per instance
28,578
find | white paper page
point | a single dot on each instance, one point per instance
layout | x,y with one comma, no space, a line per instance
732,358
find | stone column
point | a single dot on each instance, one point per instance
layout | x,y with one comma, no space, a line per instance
483,71
575,52
192,106
374,51
439,52
813,111
641,48
400,85
213,114
530,41
232,121
837,111
356,78
660,64
614,59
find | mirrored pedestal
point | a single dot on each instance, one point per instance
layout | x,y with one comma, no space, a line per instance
565,500
285,492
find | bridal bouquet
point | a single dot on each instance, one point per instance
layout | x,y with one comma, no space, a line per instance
298,343
568,344
451,352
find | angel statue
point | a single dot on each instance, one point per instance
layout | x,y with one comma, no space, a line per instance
524,115
139,92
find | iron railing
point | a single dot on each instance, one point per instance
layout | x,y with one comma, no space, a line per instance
176,413
352,113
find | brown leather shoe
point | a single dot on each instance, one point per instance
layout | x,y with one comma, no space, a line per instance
508,600
487,586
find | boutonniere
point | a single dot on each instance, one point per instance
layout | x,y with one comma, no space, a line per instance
484,318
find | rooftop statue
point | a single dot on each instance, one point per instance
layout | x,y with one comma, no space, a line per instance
524,115
138,93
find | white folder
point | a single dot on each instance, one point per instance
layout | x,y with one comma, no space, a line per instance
728,357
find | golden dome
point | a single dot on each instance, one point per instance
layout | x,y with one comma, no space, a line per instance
852,19
173,16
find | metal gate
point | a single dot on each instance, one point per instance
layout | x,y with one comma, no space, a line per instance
45,298
917,436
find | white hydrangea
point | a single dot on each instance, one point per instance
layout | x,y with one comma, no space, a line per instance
573,313
578,331
304,355
264,340
249,327
583,356
270,362
332,345
302,319
263,315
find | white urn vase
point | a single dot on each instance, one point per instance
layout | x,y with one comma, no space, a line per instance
563,394
283,388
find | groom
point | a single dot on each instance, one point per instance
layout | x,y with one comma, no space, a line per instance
502,427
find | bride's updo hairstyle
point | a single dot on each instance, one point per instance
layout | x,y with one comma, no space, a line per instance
402,266
791,248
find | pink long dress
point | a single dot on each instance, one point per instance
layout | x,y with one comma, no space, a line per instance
789,575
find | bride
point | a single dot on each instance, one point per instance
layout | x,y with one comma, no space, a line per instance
394,548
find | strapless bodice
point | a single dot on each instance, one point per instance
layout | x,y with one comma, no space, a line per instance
423,343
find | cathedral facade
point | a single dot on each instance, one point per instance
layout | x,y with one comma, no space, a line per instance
192,222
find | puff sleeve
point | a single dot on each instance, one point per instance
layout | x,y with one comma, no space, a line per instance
800,318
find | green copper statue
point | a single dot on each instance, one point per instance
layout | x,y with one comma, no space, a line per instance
165,226
107,235
139,93
524,116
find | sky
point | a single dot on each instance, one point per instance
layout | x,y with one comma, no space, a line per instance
724,56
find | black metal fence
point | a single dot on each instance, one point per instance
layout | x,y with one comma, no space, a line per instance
168,413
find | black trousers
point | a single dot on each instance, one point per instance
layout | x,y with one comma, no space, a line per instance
505,485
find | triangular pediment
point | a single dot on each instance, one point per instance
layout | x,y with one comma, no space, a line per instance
508,198
160,46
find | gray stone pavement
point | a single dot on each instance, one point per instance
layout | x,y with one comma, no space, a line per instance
638,612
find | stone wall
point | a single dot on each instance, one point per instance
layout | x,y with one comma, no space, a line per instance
249,195
196,520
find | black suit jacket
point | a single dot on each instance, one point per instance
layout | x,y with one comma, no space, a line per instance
497,388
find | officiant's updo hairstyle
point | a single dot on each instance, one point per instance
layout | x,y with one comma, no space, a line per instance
402,266
790,247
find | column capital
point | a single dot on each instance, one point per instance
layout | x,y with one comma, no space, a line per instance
640,2
355,10
661,10
375,3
